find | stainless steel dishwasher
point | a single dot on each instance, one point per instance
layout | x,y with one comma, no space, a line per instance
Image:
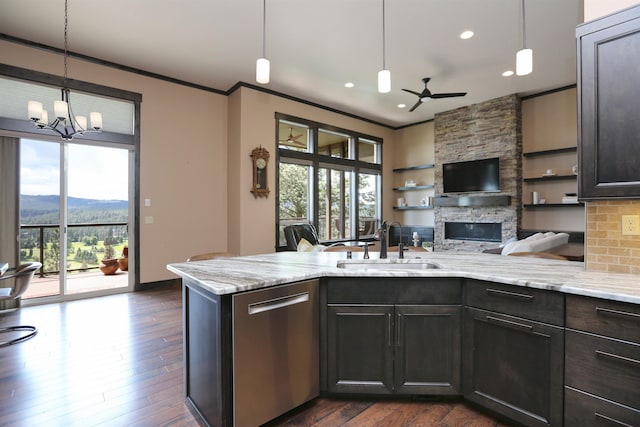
275,351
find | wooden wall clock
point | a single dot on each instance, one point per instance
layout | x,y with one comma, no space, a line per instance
260,159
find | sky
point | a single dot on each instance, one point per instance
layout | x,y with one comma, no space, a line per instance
94,172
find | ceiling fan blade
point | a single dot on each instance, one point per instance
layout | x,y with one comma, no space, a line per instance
447,95
410,91
416,105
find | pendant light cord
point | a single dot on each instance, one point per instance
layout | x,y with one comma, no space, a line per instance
524,28
264,27
66,42
384,62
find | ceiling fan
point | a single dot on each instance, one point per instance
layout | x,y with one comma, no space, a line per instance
426,94
293,140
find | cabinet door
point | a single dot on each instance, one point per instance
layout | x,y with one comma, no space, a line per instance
608,104
427,358
514,366
360,349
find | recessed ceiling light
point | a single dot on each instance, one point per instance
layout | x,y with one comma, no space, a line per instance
402,105
466,34
348,84
508,73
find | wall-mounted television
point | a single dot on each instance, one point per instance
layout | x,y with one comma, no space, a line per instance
474,175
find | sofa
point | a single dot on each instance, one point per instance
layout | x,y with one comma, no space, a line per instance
538,242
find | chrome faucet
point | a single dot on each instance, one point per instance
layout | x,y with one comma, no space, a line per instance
381,234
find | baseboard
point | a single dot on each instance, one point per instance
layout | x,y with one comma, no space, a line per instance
159,284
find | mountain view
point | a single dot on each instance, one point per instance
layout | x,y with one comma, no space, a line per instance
45,210
86,244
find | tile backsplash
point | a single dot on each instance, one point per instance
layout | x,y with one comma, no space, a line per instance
606,248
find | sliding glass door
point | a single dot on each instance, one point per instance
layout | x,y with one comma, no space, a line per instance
75,217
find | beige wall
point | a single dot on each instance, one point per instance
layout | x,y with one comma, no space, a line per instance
182,160
596,8
252,120
194,161
606,249
413,146
550,122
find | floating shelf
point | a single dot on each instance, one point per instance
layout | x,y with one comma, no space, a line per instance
554,205
550,152
411,208
416,187
550,178
473,201
414,168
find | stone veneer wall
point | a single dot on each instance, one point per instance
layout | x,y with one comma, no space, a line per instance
480,131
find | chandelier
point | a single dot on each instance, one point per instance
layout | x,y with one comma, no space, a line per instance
66,123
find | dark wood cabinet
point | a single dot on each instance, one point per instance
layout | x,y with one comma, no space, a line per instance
513,366
586,410
360,349
427,357
377,342
207,354
512,360
608,103
602,362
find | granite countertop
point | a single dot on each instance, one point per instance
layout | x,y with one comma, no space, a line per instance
230,275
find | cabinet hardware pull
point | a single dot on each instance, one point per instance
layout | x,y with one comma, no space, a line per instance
601,310
398,330
613,420
274,304
509,294
617,357
510,323
389,329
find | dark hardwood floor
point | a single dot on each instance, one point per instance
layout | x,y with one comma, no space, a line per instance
117,361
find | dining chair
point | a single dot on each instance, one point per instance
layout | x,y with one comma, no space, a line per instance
210,255
20,278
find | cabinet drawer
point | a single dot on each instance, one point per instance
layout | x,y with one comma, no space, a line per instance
385,290
605,367
586,410
611,318
535,304
513,366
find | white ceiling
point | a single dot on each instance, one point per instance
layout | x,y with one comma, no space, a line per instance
315,46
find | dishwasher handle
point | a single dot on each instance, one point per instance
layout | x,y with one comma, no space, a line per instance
276,303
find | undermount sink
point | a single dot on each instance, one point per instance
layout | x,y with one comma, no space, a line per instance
388,264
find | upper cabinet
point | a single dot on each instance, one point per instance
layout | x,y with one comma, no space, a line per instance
608,106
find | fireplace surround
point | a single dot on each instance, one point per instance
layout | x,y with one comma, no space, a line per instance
478,231
480,131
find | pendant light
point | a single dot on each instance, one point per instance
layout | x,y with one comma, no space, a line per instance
65,123
384,75
524,57
262,64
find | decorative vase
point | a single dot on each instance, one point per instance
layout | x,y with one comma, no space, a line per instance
109,266
123,263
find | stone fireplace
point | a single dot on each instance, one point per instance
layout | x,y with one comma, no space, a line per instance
480,131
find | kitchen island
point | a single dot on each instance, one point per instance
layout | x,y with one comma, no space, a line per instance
232,275
521,301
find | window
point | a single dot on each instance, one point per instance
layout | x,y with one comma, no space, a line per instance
329,177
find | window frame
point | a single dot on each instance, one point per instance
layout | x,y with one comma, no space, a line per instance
315,161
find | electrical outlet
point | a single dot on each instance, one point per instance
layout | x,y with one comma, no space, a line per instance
631,225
